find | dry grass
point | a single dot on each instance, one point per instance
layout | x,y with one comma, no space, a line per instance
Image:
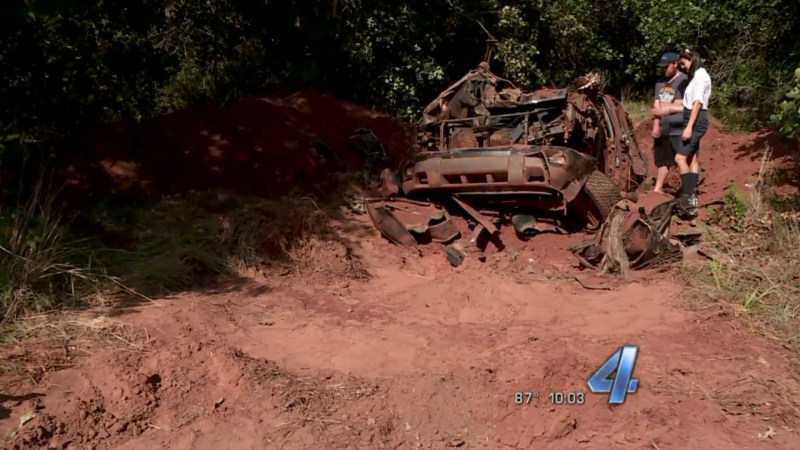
83,333
177,244
757,272
272,229
47,343
309,400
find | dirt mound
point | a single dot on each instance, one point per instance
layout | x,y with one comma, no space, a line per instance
129,393
256,145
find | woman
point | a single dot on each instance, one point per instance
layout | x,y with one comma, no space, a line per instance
695,124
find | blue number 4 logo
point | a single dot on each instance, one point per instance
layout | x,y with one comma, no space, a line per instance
619,365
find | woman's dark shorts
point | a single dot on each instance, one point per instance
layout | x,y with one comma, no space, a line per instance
664,149
692,146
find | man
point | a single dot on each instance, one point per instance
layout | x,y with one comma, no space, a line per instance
667,128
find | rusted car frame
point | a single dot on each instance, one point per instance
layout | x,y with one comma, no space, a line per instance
484,110
501,155
544,172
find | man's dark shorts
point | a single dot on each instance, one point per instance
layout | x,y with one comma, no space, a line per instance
692,146
664,149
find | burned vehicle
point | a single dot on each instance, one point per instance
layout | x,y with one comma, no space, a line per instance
541,161
483,110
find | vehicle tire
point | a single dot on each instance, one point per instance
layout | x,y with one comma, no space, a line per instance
599,195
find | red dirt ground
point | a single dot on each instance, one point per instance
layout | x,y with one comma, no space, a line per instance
416,355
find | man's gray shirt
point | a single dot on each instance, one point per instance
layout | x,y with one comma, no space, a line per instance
667,92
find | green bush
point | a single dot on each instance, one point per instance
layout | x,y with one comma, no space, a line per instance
788,115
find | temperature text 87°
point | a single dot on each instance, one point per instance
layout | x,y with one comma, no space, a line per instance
525,397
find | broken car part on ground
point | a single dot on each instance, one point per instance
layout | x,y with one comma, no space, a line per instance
551,160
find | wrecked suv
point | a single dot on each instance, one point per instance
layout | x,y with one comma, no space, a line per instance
542,160
484,110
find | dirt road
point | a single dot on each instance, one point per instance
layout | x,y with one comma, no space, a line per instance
420,355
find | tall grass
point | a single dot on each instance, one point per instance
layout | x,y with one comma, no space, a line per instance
178,243
757,271
42,266
637,104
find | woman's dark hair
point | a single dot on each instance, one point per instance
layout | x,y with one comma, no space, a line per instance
693,56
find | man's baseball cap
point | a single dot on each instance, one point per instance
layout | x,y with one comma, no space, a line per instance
667,58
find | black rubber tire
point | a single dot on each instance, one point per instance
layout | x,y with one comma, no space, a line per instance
602,192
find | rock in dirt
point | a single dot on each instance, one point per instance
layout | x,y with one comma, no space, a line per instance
455,254
691,252
688,236
456,442
714,254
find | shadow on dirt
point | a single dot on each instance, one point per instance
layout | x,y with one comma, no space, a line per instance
783,148
186,244
192,200
5,413
255,146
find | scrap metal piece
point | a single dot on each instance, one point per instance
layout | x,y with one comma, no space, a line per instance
635,235
524,224
480,218
444,231
397,220
476,234
389,225
529,226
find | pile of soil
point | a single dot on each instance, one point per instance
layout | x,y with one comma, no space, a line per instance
257,145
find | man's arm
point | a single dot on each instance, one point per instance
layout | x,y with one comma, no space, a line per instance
656,133
673,107
657,105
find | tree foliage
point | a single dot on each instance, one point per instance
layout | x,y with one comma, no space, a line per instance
788,114
67,65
